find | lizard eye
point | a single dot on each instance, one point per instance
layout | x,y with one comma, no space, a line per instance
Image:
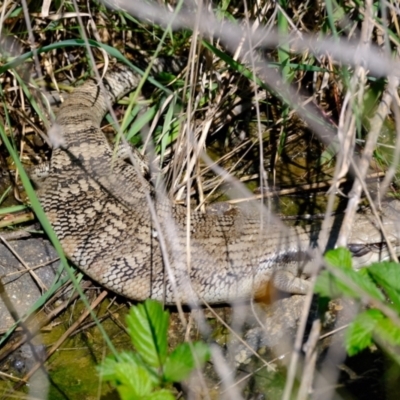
358,250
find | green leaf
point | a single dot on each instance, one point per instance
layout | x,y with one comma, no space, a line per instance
359,334
347,284
131,379
363,280
327,285
147,326
184,359
387,275
140,122
371,324
387,331
168,128
341,280
340,257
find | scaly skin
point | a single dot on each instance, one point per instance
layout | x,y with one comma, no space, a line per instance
113,225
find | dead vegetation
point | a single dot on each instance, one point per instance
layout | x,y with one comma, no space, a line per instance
290,98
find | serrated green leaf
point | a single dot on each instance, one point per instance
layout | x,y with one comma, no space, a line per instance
360,332
363,280
147,326
128,357
184,359
327,285
387,275
394,296
345,281
131,380
107,368
348,284
340,257
387,331
125,393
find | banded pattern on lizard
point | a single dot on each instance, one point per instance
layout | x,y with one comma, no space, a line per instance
112,224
